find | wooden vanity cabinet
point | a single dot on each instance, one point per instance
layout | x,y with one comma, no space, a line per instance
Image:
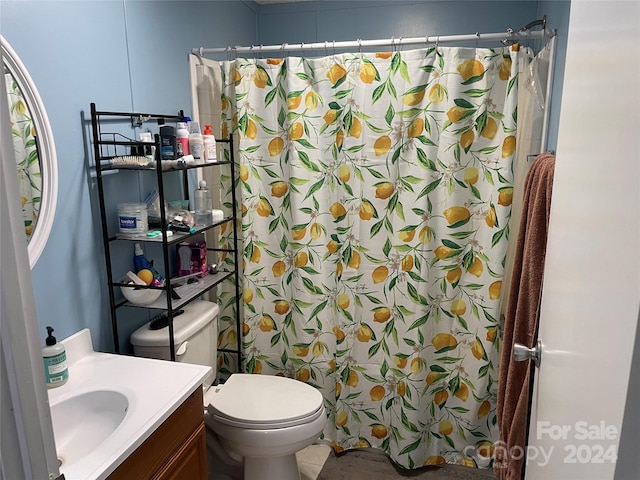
177,450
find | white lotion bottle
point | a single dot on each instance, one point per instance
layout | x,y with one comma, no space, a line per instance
54,356
209,145
196,144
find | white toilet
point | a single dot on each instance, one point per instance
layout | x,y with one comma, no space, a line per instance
255,423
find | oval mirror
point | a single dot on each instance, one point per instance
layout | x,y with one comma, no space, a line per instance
35,152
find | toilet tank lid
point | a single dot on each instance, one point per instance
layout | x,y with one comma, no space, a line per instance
196,316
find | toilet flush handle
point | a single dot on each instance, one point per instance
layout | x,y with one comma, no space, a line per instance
182,349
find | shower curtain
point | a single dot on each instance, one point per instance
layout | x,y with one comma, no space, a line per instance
26,151
376,191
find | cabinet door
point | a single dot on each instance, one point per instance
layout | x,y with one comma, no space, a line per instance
190,462
181,431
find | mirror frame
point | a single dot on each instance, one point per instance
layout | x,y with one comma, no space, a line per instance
46,151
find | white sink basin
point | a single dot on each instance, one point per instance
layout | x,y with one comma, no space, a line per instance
112,404
82,422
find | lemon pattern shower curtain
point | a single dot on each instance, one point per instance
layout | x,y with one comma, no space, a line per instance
26,151
376,192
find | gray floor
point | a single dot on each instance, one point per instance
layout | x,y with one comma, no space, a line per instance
370,464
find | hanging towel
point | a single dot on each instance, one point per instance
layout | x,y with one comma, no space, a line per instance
521,322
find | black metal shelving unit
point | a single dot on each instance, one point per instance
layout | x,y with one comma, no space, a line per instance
109,144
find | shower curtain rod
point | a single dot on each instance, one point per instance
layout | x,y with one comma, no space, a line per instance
506,37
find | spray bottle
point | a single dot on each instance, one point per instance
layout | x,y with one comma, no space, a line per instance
140,262
182,138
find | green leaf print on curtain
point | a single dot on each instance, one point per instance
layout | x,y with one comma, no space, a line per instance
26,152
376,192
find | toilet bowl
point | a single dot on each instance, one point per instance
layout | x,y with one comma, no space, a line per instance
260,422
255,423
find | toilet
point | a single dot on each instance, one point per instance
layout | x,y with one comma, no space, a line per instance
255,423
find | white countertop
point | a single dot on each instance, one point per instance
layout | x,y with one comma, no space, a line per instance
154,388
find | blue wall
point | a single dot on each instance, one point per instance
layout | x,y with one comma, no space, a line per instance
78,52
132,55
321,21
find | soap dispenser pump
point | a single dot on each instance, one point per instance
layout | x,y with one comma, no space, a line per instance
54,356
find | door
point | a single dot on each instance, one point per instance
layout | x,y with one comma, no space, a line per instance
206,87
590,297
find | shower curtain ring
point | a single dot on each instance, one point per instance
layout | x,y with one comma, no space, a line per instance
477,38
393,44
359,45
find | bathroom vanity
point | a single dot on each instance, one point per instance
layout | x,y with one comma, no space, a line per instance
121,417
177,449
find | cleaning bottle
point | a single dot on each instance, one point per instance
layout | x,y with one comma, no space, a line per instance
196,144
182,138
140,262
54,356
209,145
203,204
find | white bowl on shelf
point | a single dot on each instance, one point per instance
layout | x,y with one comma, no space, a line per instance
139,295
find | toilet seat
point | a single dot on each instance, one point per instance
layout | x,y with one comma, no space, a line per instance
263,402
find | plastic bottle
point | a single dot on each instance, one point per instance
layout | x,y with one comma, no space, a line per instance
182,138
167,142
196,144
140,262
203,204
54,356
209,145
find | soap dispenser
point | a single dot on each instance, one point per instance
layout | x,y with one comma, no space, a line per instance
54,356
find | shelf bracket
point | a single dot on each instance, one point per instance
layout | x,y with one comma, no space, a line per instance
138,121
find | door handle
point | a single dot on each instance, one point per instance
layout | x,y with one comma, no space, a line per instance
522,353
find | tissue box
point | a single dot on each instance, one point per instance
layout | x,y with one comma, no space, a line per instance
192,258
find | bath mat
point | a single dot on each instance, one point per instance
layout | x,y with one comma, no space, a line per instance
371,464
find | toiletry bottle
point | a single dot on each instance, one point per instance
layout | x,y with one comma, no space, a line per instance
203,204
182,138
149,150
184,259
209,145
54,356
140,262
167,142
196,145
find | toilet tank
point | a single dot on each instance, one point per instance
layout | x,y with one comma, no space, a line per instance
195,333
